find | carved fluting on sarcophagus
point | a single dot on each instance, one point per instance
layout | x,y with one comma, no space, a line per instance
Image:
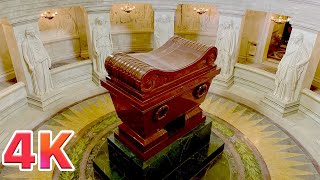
132,70
131,73
192,44
154,91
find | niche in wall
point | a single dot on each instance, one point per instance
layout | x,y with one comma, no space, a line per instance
198,27
64,36
7,75
132,32
279,40
254,22
263,41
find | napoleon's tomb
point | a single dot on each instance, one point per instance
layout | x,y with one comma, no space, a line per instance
210,89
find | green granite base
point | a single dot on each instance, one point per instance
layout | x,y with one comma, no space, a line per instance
182,159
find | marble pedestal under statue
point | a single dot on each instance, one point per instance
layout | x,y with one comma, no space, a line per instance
157,97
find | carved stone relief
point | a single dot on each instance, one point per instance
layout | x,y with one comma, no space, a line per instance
162,30
140,19
64,23
226,43
38,62
291,67
102,43
187,20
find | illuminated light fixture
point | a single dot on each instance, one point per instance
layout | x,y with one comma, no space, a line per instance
49,14
280,19
201,10
127,8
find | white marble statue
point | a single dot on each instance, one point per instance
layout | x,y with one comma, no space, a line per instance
226,44
38,62
102,44
290,68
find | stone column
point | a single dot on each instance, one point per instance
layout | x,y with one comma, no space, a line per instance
15,34
228,44
163,23
296,69
93,14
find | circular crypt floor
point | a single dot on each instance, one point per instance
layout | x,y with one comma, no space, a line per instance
255,147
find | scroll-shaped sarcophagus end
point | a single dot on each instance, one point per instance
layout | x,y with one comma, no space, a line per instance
157,94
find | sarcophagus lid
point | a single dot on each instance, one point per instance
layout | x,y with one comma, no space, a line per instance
173,63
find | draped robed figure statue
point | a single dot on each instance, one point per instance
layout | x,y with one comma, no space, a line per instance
290,68
38,62
102,44
226,44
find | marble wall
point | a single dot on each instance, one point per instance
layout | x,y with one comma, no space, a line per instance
6,69
132,32
65,33
191,25
252,29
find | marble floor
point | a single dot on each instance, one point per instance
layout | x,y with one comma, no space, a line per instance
255,147
282,154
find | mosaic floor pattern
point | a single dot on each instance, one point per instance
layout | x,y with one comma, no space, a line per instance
255,148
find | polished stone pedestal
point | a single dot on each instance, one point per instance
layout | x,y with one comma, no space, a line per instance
182,159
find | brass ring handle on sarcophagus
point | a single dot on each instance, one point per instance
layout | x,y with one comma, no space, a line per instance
161,112
200,90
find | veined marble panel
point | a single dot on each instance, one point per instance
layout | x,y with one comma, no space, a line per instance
71,74
62,47
191,25
140,19
132,41
187,20
132,32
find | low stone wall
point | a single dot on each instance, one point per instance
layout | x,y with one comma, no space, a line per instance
310,104
71,74
63,48
12,98
254,78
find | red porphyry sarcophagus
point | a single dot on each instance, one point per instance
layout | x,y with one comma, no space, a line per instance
157,94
